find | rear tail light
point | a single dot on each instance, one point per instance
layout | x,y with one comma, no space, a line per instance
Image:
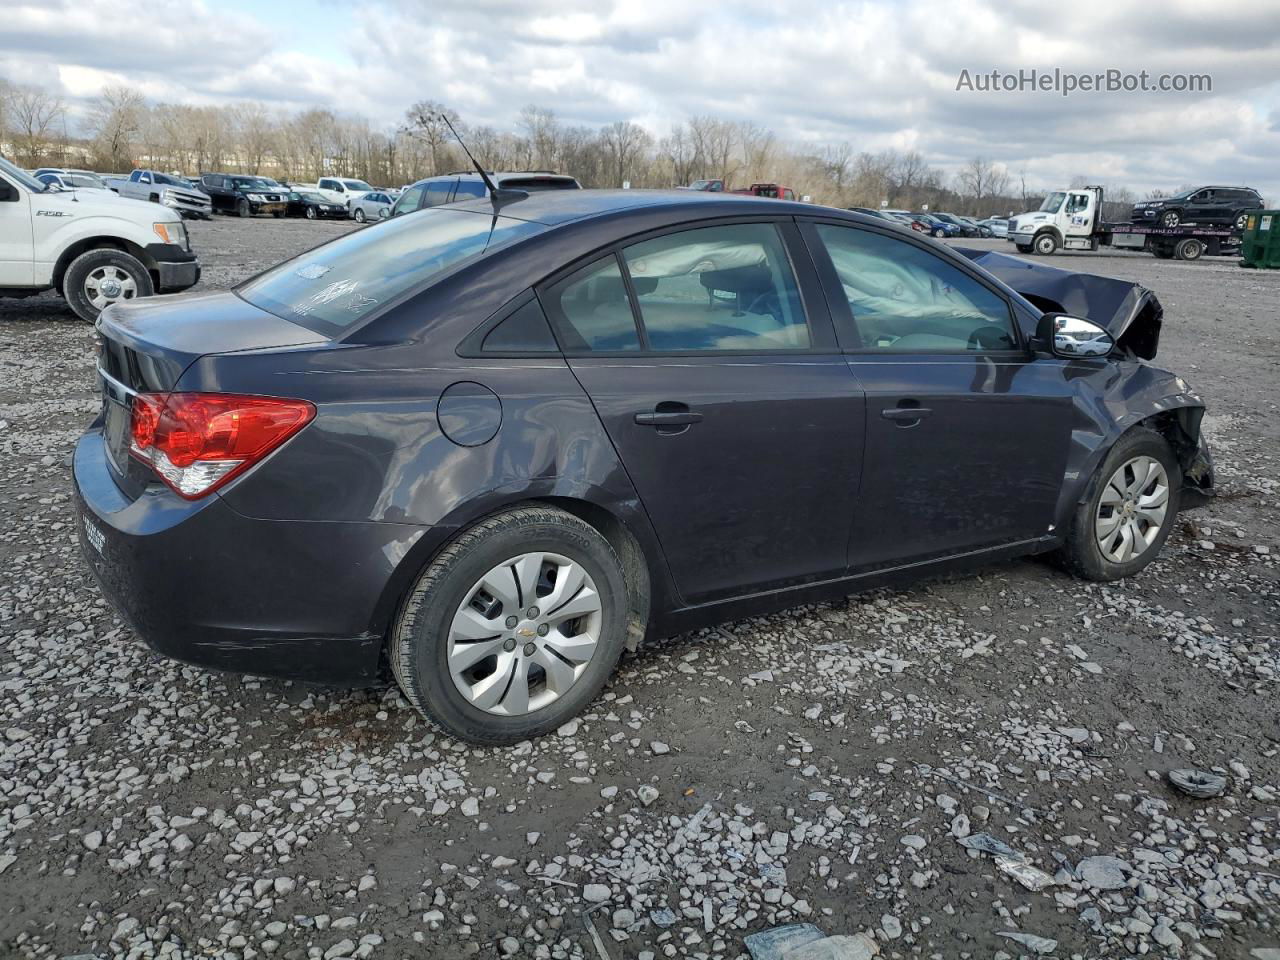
196,442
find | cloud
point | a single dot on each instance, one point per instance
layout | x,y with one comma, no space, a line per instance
874,73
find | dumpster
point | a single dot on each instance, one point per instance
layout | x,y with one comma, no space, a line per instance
1261,245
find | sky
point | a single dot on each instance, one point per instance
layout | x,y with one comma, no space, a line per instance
877,74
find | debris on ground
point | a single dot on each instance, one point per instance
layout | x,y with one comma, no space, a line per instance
1201,784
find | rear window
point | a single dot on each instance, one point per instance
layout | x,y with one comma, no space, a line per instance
334,287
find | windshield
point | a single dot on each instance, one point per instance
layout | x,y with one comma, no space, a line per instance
1053,202
84,180
21,176
337,285
165,180
314,197
357,185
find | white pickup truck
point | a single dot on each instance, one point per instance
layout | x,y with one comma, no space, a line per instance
169,191
91,246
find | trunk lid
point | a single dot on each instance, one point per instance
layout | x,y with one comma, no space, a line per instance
148,344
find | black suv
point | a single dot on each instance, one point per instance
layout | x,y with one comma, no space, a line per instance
245,195
1218,205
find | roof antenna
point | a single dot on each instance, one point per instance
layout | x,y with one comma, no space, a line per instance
497,195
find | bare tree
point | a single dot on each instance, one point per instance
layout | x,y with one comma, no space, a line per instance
115,124
980,179
678,150
426,123
624,144
34,114
255,134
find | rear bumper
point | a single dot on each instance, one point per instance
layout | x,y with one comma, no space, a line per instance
201,583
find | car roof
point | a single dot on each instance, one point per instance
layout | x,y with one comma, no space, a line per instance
552,207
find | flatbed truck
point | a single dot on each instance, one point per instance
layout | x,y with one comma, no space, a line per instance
1072,220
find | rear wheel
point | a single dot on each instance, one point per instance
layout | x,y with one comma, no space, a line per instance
98,278
1023,247
1126,520
1162,252
1188,248
513,628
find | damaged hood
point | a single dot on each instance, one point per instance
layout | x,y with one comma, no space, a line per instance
1129,311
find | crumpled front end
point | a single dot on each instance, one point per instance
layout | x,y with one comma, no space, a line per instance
1130,312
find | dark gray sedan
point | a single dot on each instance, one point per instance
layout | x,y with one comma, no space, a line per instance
488,447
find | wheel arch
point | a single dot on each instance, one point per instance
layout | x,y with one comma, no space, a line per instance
627,532
74,250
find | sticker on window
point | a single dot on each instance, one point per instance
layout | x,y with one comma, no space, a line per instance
312,271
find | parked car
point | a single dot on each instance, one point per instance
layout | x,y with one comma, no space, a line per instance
371,206
70,179
606,434
307,203
982,229
709,186
937,226
999,226
911,220
773,191
114,181
170,191
341,189
434,191
1230,205
243,195
884,215
965,228
93,248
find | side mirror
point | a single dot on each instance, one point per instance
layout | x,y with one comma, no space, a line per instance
1073,338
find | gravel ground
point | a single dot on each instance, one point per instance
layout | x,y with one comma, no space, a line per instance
845,765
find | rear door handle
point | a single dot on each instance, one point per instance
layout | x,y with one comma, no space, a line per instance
673,419
907,414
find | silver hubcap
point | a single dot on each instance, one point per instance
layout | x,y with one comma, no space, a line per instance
107,284
524,634
1132,509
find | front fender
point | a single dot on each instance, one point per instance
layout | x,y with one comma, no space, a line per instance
1112,399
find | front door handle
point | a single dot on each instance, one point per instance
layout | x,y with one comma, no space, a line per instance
906,414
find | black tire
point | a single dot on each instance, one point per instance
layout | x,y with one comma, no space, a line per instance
79,270
1241,219
1188,248
243,209
1023,247
277,215
1081,554
939,233
154,198
1045,244
1170,219
1162,252
358,216
311,213
418,646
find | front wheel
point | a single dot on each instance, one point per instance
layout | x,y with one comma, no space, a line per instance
514,628
358,216
1170,219
243,209
1242,220
1125,521
939,233
98,278
1045,244
311,213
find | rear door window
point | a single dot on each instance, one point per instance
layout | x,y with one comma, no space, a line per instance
593,310
718,288
469,188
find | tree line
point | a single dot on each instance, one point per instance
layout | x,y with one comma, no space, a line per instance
121,130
